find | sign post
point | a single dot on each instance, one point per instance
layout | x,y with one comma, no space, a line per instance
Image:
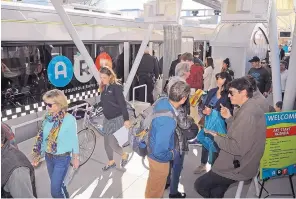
279,158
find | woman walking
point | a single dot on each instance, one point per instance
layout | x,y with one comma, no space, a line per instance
116,115
58,139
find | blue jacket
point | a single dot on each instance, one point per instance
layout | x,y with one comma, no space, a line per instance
161,135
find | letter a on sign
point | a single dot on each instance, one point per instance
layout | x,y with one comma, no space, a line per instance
60,71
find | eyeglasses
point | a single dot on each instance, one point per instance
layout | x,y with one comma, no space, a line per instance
49,105
232,93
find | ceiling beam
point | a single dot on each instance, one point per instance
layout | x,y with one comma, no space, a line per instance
215,4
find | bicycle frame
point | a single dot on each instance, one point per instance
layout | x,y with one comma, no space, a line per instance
89,111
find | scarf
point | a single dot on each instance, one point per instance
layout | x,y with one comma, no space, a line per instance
51,140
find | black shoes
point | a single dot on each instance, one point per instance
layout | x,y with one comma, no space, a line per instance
178,195
167,186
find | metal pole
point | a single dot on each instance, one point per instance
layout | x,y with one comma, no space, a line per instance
172,41
150,48
126,50
57,4
205,51
290,91
275,60
137,61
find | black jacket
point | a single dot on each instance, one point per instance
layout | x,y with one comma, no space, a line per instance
113,102
173,67
224,100
262,77
148,65
119,68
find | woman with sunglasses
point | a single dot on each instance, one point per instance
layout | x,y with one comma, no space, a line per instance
115,115
58,139
215,98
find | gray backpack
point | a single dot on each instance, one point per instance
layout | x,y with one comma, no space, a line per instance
139,132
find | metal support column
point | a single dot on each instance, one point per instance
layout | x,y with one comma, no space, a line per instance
137,61
290,91
172,47
75,37
275,60
120,48
150,48
126,50
205,51
95,50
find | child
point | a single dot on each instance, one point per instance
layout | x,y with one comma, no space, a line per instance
278,106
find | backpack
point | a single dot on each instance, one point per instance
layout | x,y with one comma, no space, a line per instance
139,132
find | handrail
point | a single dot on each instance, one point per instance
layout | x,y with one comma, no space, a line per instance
134,89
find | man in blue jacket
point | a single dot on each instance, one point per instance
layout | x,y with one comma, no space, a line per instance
161,140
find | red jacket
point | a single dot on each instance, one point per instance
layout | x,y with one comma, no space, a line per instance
195,79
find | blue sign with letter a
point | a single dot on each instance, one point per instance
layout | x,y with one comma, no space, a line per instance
60,71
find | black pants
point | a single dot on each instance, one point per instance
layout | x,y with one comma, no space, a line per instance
211,185
205,156
146,79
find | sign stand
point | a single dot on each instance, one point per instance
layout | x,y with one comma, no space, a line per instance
269,194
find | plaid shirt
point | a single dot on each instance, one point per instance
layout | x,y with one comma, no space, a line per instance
9,134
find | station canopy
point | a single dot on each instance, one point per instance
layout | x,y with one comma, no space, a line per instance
285,12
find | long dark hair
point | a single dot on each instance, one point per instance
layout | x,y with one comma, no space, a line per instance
228,79
227,62
210,62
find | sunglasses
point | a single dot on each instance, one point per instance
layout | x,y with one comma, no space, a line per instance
49,105
231,93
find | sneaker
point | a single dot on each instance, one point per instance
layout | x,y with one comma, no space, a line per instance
177,195
124,161
200,169
167,186
107,167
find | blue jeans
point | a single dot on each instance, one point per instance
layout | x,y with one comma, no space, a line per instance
176,172
57,167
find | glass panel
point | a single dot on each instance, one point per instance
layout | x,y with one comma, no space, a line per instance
21,70
24,73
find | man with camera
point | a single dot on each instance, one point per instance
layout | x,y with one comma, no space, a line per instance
241,150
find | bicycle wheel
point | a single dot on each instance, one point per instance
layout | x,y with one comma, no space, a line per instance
87,144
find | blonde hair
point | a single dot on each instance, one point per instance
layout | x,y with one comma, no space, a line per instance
58,97
110,72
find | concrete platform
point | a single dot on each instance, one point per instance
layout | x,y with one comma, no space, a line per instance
91,182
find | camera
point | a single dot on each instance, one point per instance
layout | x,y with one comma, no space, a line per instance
236,164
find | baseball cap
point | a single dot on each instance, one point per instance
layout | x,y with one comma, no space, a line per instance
254,59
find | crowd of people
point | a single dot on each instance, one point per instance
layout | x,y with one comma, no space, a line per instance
232,135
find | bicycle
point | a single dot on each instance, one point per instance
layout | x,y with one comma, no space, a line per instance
86,136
